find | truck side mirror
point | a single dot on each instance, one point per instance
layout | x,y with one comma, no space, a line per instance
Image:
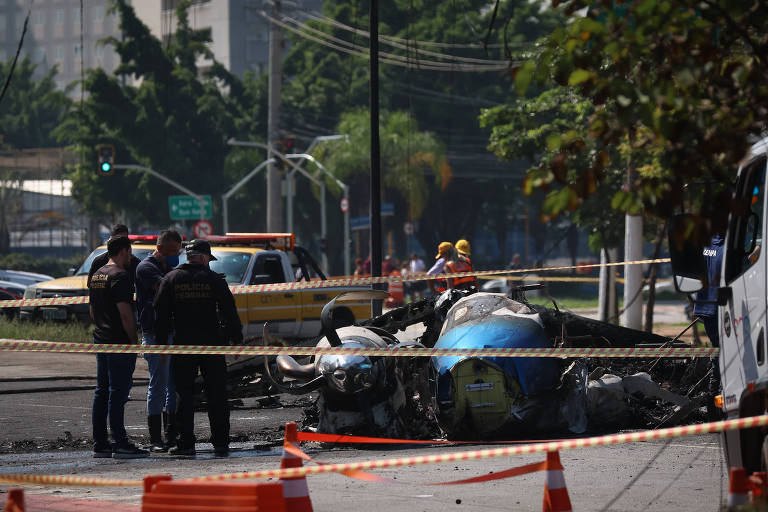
71,271
686,254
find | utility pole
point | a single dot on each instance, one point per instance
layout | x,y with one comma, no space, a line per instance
375,156
274,179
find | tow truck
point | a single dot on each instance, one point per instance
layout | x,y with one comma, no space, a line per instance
742,305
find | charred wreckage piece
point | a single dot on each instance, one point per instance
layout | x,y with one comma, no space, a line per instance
482,398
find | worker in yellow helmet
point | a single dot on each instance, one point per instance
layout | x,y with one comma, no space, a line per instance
461,263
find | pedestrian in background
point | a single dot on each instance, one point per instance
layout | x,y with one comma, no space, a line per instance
444,253
111,295
359,270
101,260
191,299
417,267
161,393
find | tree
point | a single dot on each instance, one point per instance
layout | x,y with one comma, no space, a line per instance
31,108
678,83
176,120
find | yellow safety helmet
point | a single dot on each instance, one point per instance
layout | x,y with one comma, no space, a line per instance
443,248
463,247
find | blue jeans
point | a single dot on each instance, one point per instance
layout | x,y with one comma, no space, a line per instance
161,393
114,378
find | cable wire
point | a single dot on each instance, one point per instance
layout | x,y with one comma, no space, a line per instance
15,57
386,58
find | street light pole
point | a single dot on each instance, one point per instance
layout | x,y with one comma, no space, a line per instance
166,179
225,197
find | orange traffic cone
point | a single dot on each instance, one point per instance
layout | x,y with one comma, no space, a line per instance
555,493
15,500
738,489
295,489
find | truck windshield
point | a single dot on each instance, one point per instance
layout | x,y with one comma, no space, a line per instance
230,263
86,266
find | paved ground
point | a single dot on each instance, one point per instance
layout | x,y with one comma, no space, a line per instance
45,429
683,474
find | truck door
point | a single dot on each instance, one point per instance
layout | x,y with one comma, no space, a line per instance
742,320
282,309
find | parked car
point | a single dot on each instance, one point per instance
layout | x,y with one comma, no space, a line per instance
22,277
11,291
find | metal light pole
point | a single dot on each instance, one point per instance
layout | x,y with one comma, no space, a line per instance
225,197
376,254
168,181
274,194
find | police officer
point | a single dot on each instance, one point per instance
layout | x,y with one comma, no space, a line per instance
194,299
705,307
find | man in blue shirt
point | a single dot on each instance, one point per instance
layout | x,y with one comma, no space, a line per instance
161,394
705,307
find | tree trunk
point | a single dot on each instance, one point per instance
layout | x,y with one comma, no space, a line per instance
652,281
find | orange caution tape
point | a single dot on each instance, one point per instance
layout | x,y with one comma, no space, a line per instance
342,282
370,477
347,439
248,350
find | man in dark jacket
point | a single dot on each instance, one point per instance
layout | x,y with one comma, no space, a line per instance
111,294
161,394
194,299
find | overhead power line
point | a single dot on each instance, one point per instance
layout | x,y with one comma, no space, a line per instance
386,58
406,44
410,42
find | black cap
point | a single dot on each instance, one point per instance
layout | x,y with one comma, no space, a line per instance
200,247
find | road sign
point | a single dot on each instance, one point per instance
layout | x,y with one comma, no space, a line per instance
387,209
344,204
188,208
202,229
408,228
359,223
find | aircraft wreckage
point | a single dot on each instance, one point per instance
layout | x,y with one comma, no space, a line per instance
483,398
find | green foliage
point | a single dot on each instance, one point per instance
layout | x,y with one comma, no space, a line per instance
406,156
56,267
31,108
680,84
176,120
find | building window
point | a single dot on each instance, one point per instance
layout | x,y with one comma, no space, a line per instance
98,51
40,18
76,18
98,13
59,53
59,16
40,55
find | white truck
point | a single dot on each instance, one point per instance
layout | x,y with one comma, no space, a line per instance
742,307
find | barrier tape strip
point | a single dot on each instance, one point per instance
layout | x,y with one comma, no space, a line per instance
370,477
342,282
247,350
347,439
566,444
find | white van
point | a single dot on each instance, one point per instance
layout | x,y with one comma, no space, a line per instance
742,307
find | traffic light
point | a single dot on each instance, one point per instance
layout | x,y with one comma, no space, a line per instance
286,146
106,159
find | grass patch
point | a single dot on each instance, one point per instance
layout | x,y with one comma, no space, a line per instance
45,331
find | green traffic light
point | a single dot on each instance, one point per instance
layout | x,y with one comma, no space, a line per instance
106,167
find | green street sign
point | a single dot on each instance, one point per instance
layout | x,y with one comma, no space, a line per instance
188,208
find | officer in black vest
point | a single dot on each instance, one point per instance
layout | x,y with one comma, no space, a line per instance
197,302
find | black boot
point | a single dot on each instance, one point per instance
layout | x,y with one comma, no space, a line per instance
155,423
170,428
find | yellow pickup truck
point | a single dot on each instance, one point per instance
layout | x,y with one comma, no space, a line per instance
245,259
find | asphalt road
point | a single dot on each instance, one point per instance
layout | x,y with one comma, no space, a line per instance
45,431
682,474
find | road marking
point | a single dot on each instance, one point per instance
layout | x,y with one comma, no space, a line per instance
57,406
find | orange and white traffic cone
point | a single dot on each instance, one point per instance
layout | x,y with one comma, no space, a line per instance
555,493
15,500
738,488
295,489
